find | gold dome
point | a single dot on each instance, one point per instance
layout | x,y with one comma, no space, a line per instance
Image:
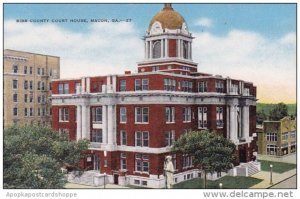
168,18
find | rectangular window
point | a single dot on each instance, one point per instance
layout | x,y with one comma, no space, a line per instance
169,138
25,98
43,86
123,137
285,136
31,111
202,117
63,88
39,112
219,116
77,87
271,149
142,163
38,71
15,68
123,161
63,114
43,71
15,97
141,114
170,85
122,85
187,86
15,84
234,89
137,85
145,84
31,98
187,161
25,69
219,86
97,135
44,111
142,139
292,134
202,87
30,70
155,68
25,84
15,111
170,114
123,115
272,137
25,112
187,114
31,85
39,99
39,85
97,114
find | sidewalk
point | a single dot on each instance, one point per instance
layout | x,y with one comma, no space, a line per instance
79,186
276,178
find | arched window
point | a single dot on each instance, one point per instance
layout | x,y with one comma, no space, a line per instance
156,49
185,50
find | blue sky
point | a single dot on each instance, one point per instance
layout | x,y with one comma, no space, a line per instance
253,42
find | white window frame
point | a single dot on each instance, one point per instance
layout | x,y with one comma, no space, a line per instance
142,115
123,161
169,138
17,86
97,136
271,137
187,114
122,85
123,137
202,117
97,114
170,115
142,160
123,115
219,117
63,114
273,151
142,137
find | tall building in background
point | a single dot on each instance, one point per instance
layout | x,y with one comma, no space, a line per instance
132,120
27,87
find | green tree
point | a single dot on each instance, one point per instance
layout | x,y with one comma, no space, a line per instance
34,156
210,151
278,112
261,116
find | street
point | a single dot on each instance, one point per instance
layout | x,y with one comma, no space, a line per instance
290,183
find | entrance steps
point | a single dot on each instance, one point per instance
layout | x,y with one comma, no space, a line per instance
248,169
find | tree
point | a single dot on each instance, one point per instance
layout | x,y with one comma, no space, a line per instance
210,152
261,116
278,112
34,156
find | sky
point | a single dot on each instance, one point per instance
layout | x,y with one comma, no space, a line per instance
252,42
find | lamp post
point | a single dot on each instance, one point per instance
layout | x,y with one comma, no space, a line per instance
104,179
271,173
220,185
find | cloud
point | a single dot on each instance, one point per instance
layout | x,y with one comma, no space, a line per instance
204,22
269,63
104,48
112,48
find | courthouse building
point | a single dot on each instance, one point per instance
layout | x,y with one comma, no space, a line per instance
27,89
132,120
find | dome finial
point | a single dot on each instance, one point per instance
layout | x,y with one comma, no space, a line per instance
168,6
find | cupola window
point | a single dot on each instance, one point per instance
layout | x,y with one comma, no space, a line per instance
156,50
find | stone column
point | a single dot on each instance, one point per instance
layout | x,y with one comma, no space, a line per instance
146,50
161,48
232,123
245,122
166,48
79,116
84,121
88,122
227,122
104,124
110,124
178,48
150,50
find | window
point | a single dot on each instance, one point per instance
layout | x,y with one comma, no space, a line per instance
272,137
293,147
25,69
234,89
15,84
285,136
271,149
15,68
15,97
202,117
187,161
141,84
137,85
145,84
155,68
31,85
39,99
97,114
202,86
219,116
31,98
25,112
26,84
63,88
169,138
15,111
246,92
123,137
185,50
123,161
39,85
25,98
170,114
122,85
284,149
142,163
43,71
141,114
292,134
156,49
38,71
97,135
30,70
44,112
50,86
50,72
31,111
187,86
142,139
39,112
123,115
77,87
63,114
187,114
43,86
170,84
219,86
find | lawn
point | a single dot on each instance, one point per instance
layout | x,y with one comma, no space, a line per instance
278,167
229,182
